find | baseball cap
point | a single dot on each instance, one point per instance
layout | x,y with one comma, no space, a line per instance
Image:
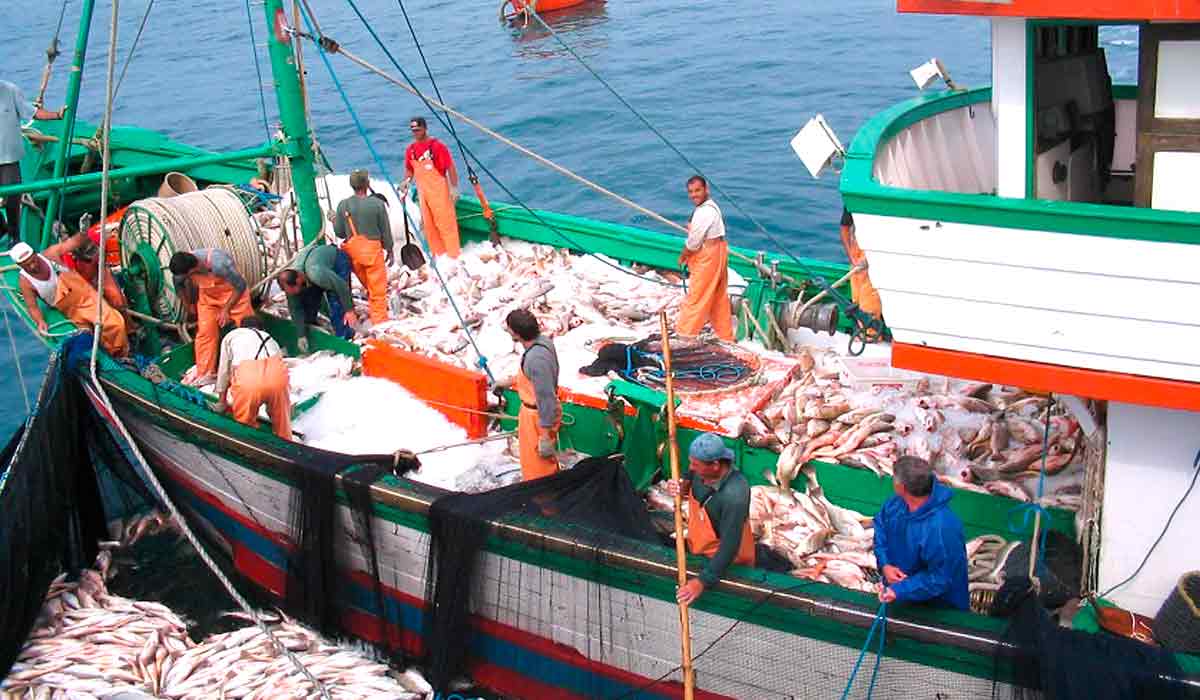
709,447
359,178
20,252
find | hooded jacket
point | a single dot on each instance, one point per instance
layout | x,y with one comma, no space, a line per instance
927,545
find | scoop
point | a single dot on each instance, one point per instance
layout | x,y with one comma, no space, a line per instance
410,252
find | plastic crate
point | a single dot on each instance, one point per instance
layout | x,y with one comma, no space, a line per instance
875,374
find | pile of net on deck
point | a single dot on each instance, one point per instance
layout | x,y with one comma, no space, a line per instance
50,514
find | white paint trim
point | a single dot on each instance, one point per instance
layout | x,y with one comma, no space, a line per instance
1008,104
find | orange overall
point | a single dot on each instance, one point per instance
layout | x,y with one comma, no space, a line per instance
533,465
707,299
369,263
258,382
862,292
439,220
76,299
702,538
213,292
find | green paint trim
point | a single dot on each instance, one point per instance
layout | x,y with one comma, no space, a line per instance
863,195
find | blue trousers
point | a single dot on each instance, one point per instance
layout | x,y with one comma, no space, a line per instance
311,297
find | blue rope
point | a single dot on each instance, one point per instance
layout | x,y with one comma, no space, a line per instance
880,623
262,99
1029,511
487,171
482,361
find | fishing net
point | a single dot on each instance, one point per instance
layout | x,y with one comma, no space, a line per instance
50,514
697,365
1045,660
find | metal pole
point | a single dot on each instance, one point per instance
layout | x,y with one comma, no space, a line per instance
685,627
297,140
70,114
157,167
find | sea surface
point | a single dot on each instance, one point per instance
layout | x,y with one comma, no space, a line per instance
729,83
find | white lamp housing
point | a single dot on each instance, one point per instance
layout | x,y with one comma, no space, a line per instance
925,74
816,145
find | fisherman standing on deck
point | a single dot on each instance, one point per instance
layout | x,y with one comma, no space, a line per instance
253,373
428,163
209,285
14,110
67,291
706,255
718,513
321,272
537,386
362,221
919,542
862,291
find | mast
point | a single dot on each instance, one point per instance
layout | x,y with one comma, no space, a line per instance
297,143
64,144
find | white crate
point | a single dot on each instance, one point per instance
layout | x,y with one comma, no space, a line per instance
875,374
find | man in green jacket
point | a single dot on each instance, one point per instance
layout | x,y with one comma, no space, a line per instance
322,271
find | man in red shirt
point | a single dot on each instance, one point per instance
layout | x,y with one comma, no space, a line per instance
427,162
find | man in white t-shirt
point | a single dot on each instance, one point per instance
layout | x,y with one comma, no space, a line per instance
706,255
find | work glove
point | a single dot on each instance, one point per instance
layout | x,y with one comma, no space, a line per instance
454,193
546,447
302,344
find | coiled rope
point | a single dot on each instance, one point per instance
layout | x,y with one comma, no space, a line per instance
211,218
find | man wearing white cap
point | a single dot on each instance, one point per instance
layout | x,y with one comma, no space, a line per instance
71,294
718,513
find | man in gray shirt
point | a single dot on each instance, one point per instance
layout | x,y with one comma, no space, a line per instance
14,110
536,382
362,220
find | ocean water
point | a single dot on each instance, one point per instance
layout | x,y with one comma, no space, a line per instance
729,83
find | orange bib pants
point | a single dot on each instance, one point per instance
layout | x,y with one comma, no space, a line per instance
439,220
702,538
258,382
75,298
707,299
533,465
213,293
369,264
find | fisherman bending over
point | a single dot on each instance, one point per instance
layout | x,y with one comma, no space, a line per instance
14,110
362,220
81,253
322,271
70,293
706,254
537,386
919,542
253,373
209,285
718,513
428,163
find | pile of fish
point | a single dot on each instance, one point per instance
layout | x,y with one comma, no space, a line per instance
978,437
91,644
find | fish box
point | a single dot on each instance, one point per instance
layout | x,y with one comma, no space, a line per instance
875,374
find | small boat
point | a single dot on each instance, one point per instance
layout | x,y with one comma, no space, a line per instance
514,10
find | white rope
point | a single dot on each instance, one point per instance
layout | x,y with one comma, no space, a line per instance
211,218
12,340
161,493
105,162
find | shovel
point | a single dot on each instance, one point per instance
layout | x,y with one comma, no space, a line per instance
410,252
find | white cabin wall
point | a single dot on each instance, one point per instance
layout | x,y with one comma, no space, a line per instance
1009,70
1149,466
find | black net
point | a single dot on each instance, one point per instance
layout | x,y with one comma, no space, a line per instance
50,513
595,495
696,365
1045,660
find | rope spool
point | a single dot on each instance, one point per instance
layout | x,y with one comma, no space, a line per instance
154,229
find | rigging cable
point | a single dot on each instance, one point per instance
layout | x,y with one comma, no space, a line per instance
331,46
863,326
482,360
262,98
105,164
12,341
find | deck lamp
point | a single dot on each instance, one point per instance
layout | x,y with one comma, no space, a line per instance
925,74
817,145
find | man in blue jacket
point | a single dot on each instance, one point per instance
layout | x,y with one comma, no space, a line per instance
919,542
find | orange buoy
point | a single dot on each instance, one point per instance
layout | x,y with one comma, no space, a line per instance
512,10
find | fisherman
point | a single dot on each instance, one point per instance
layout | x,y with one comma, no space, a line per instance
81,253
66,290
362,221
706,254
208,283
862,292
14,110
428,163
322,271
718,513
253,373
537,386
918,540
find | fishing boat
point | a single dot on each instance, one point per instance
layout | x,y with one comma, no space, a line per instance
1009,244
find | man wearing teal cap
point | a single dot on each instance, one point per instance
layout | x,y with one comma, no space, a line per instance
718,513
